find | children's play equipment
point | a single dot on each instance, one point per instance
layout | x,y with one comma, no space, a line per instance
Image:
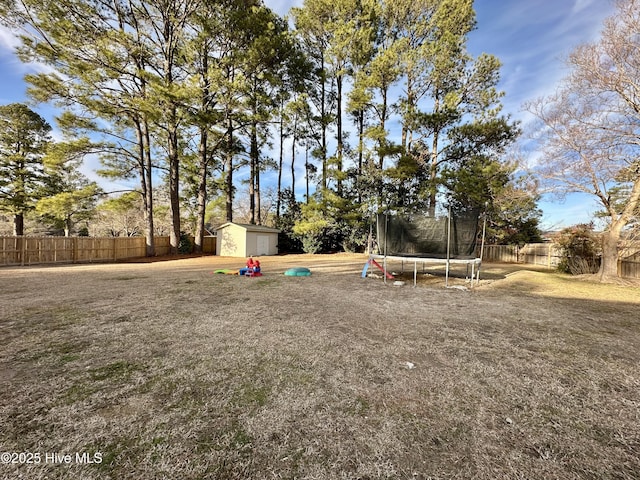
298,272
252,269
371,261
226,271
447,240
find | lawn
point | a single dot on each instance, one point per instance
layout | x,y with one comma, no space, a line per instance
166,370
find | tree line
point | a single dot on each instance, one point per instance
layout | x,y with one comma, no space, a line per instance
383,101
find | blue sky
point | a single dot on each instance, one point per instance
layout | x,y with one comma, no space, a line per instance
530,37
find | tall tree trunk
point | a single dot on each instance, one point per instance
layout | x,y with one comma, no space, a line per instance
18,225
293,162
229,171
306,166
280,161
203,149
174,184
433,165
411,101
146,186
611,238
609,263
258,198
340,149
256,176
20,192
148,171
202,190
323,121
360,151
253,161
171,32
383,126
381,146
433,176
144,141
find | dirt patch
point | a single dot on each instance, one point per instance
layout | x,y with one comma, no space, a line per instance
168,370
165,258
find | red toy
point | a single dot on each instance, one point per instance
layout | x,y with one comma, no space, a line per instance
252,269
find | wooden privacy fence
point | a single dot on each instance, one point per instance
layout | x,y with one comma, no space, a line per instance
630,266
39,250
548,255
545,254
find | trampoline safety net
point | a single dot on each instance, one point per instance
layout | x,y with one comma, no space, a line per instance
422,236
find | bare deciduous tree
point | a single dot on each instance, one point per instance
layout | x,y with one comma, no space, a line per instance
590,128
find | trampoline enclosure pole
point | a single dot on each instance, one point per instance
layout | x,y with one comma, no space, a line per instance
386,238
446,282
484,231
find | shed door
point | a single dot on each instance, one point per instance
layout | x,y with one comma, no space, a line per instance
262,244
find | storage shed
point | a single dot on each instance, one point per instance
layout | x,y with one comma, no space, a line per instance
243,240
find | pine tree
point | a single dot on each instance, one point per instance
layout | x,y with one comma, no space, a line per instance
24,139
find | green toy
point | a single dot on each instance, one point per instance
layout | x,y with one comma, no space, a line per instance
298,272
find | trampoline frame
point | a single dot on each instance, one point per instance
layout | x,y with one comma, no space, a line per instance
475,263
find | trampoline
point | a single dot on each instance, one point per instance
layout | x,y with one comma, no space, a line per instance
448,240
472,263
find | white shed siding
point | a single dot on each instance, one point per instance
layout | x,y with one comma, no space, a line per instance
238,240
233,242
263,244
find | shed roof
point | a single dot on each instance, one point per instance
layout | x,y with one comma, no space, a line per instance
250,228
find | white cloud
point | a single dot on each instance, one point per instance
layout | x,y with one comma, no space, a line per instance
580,5
8,40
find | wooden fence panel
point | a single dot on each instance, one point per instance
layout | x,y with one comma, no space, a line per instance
629,267
163,245
545,254
11,250
209,245
129,247
45,250
549,255
36,250
500,253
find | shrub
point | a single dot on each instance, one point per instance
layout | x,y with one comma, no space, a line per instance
312,243
356,240
288,242
580,249
186,243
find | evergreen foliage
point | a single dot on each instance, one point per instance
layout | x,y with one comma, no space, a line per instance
24,140
391,109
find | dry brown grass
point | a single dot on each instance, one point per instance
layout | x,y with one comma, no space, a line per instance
172,372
